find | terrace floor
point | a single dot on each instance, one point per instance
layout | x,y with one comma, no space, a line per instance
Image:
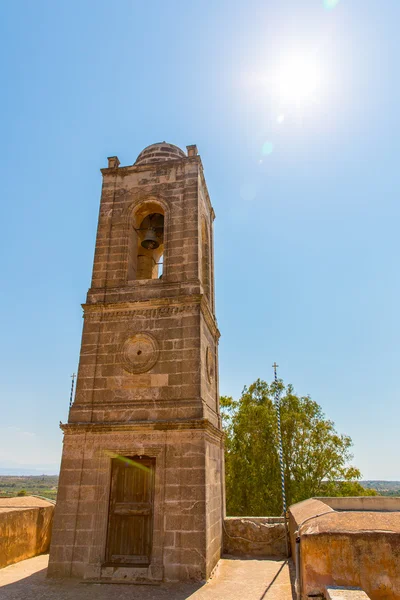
234,579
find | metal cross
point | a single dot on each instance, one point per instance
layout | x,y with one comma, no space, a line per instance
72,389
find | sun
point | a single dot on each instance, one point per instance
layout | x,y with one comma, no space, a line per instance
296,80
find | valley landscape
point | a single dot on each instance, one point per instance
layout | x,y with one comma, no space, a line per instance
30,485
47,485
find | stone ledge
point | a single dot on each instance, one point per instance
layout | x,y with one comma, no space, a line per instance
180,425
345,593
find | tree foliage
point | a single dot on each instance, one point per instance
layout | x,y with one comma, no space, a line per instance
316,458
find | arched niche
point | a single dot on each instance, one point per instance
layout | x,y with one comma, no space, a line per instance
147,242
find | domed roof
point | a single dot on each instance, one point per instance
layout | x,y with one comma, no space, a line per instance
159,152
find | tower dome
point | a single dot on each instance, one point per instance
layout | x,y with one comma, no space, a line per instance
159,152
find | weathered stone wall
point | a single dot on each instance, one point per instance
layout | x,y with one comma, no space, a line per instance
367,559
172,309
255,536
107,391
348,547
186,535
25,528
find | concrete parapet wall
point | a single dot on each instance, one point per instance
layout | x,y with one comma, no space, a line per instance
348,542
364,503
255,536
25,528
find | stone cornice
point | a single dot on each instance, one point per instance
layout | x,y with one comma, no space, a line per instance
149,284
133,404
154,283
173,425
165,306
150,166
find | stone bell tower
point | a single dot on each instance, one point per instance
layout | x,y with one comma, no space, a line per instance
141,494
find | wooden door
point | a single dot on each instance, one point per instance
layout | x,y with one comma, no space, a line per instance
130,517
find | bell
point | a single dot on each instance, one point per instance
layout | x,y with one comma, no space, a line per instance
150,241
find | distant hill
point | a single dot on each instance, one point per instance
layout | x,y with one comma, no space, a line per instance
384,488
10,468
9,471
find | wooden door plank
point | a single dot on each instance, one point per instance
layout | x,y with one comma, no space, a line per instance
130,522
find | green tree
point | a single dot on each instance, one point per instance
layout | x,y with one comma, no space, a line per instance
316,458
22,493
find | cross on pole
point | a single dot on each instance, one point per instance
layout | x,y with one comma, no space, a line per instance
278,414
72,389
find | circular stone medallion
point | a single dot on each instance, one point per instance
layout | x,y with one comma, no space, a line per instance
210,366
139,353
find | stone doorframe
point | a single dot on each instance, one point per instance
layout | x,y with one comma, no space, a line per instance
97,556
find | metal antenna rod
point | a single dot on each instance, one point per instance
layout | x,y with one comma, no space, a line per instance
72,389
278,412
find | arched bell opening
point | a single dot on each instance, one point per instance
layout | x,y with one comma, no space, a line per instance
147,243
161,266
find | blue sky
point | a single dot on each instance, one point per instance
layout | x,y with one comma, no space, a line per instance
306,194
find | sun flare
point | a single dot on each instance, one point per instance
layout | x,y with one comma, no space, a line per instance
296,80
